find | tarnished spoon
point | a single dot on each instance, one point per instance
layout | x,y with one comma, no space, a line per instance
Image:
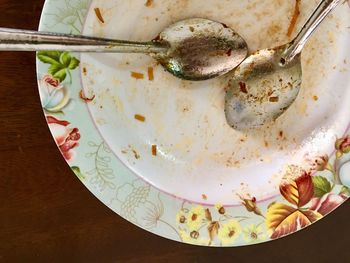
264,86
192,49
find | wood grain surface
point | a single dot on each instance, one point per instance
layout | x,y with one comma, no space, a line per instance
47,215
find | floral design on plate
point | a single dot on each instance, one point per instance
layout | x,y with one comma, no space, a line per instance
307,193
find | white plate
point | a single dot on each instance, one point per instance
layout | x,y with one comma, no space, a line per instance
208,184
198,153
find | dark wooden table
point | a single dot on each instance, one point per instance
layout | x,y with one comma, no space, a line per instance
47,215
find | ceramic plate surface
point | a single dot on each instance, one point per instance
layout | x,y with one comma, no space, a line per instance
158,151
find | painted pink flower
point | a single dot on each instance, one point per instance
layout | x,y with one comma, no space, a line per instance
66,138
51,80
342,146
327,203
54,96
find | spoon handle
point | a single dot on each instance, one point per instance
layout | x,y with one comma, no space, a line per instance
25,40
320,13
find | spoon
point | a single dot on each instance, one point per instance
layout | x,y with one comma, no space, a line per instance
264,86
192,49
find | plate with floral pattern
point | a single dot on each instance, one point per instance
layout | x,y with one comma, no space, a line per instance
158,151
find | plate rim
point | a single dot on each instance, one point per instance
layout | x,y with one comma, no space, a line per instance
167,216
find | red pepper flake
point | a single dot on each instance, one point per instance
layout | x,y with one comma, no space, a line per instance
137,75
140,118
150,74
154,150
99,15
295,18
229,52
243,87
274,99
84,98
149,3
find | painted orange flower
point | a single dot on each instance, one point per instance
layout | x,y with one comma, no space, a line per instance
296,186
298,189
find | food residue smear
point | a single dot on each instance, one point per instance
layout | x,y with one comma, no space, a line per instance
149,3
295,17
137,75
136,155
99,15
140,118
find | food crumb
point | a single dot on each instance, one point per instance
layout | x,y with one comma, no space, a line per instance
137,75
150,74
84,98
140,118
84,71
204,197
154,150
281,134
136,155
243,87
315,98
99,15
274,99
149,3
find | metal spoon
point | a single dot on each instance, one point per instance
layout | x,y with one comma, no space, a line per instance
192,49
268,82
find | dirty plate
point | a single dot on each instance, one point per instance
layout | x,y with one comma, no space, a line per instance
158,151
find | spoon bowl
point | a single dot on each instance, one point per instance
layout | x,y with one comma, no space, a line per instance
266,84
261,89
200,49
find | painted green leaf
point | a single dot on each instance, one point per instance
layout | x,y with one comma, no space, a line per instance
58,71
61,63
321,186
65,59
49,57
345,191
77,172
74,63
